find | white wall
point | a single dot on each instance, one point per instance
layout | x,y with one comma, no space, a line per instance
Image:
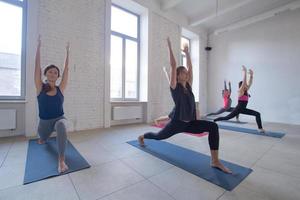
271,48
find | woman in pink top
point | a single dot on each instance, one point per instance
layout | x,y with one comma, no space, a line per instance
227,102
241,108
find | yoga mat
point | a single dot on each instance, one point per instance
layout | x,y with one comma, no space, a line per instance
225,121
195,163
252,131
42,160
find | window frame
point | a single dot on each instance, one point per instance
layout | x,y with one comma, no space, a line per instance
125,37
23,5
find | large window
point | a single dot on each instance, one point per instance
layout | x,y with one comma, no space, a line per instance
124,56
12,56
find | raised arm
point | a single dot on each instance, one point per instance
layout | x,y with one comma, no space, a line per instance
173,73
244,84
65,75
37,71
250,79
229,84
225,88
188,64
167,75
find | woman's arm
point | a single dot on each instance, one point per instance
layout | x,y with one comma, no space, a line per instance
173,73
65,76
244,83
37,71
188,64
225,88
250,79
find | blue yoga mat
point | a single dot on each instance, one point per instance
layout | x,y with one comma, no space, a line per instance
252,131
42,160
226,121
195,163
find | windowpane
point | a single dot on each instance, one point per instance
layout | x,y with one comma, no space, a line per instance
131,69
10,49
184,41
183,60
124,22
116,58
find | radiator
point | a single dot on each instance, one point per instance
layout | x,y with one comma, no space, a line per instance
7,119
127,112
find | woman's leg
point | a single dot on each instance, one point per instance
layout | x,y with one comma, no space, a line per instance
230,109
212,128
172,128
220,111
231,115
256,114
61,130
200,126
45,128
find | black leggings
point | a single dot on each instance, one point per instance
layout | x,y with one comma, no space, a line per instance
222,110
241,109
196,126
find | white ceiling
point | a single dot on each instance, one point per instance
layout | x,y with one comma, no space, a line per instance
206,14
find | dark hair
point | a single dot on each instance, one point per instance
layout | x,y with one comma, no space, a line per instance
240,84
46,87
51,67
179,69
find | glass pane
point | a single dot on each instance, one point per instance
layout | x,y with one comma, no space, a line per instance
131,69
184,41
124,22
183,60
10,49
116,58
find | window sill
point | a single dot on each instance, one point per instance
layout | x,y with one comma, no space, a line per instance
128,101
13,101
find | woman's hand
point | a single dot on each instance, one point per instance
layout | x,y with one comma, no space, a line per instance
244,69
186,49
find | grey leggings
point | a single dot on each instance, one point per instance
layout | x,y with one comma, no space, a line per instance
46,127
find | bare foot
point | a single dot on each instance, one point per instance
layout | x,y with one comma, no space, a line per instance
62,167
40,141
221,167
141,140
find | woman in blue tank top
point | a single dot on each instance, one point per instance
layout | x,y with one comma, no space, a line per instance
184,115
50,101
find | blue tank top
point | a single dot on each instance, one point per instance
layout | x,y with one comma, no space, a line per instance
50,107
185,107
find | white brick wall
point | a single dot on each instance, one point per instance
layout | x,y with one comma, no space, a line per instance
160,101
82,23
203,74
